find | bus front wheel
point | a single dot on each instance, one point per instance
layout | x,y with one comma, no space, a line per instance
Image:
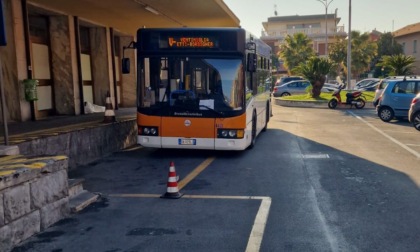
267,117
253,131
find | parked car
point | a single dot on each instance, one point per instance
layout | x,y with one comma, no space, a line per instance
396,98
379,89
414,112
291,88
286,79
372,86
329,87
365,83
382,84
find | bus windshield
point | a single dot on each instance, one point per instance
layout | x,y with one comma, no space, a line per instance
192,83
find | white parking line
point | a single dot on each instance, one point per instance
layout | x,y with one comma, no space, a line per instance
257,231
387,136
416,145
401,132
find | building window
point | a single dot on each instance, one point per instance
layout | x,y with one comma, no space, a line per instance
403,47
415,46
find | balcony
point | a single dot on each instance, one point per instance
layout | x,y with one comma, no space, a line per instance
310,32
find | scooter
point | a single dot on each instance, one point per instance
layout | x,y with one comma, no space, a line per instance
355,98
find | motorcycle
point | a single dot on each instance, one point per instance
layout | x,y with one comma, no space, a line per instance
355,98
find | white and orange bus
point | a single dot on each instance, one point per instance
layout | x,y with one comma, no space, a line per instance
201,88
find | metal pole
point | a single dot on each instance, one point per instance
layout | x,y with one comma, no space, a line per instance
3,107
349,51
326,30
326,4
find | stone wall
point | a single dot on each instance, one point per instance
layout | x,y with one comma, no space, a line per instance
85,145
33,196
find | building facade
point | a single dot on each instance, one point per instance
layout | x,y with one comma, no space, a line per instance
321,29
409,38
73,50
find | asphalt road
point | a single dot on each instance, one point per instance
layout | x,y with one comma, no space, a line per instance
317,180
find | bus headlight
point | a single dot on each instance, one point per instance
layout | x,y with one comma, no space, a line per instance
153,131
230,133
148,131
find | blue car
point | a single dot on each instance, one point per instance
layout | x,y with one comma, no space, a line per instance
396,98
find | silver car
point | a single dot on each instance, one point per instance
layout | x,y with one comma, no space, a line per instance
414,112
364,83
291,88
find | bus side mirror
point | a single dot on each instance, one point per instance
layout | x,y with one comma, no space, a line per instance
125,65
252,62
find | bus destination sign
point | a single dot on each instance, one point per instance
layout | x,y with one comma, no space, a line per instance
191,42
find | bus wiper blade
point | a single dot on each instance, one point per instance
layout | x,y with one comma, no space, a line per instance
211,109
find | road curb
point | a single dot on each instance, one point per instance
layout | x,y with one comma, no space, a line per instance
309,104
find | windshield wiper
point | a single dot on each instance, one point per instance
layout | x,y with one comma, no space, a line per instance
211,109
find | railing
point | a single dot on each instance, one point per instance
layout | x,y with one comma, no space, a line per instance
308,31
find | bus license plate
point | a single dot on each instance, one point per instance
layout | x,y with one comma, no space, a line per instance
186,141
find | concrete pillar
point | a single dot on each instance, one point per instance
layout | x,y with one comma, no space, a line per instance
62,69
128,88
13,63
100,64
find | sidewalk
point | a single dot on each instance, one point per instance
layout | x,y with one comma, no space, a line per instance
54,122
83,138
19,132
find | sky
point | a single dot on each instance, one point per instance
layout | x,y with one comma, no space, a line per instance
366,15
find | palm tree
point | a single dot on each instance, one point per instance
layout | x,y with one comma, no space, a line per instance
295,50
315,70
363,51
338,55
399,64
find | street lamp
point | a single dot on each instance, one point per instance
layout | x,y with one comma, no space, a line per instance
349,50
326,3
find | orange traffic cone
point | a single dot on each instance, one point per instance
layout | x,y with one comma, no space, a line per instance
109,110
172,191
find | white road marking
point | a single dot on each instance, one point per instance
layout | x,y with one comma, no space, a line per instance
257,231
387,136
315,156
403,132
417,145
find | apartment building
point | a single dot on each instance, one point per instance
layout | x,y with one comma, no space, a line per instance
409,38
321,29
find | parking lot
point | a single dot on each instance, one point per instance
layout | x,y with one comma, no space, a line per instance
400,132
317,180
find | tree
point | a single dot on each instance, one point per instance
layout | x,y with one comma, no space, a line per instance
388,46
315,70
295,50
363,52
338,55
399,64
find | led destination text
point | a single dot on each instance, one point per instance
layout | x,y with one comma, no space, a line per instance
191,42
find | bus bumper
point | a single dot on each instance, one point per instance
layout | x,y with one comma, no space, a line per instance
200,143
